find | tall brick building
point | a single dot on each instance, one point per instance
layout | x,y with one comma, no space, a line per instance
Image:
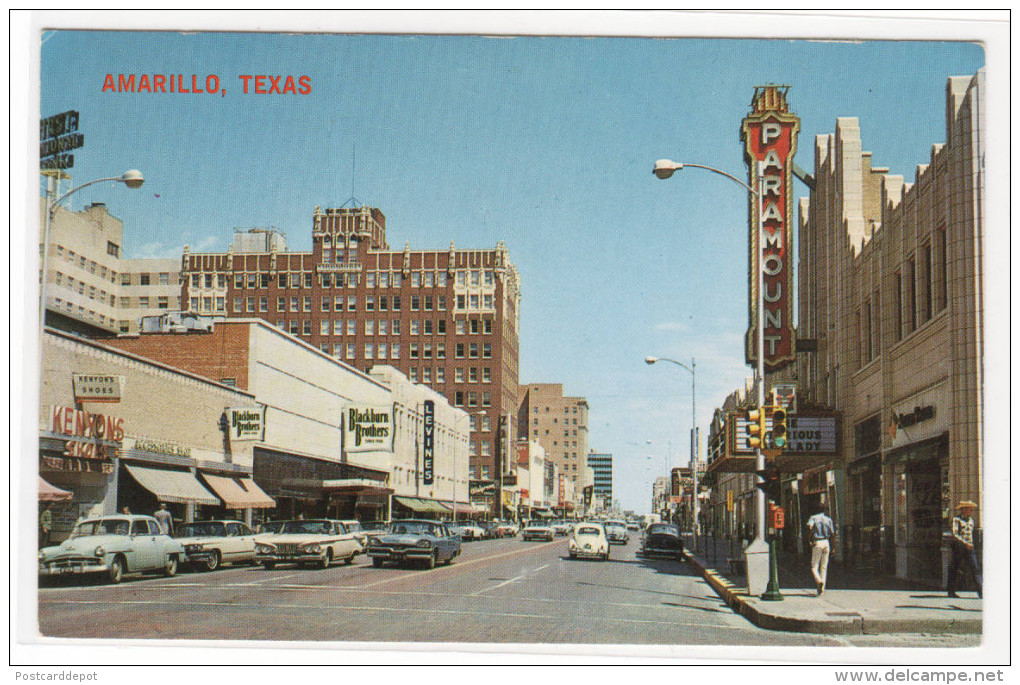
446,318
558,423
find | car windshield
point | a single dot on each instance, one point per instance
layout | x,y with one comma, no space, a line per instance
373,525
307,527
271,526
414,528
588,530
661,528
101,527
201,529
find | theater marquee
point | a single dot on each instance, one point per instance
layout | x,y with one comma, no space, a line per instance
769,133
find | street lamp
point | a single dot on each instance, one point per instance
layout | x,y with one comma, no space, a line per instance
132,178
663,169
694,430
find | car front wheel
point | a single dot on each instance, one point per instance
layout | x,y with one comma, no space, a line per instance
171,566
213,562
116,570
326,560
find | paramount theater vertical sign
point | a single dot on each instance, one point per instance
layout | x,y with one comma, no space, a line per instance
769,133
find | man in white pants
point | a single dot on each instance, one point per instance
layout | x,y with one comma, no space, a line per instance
821,532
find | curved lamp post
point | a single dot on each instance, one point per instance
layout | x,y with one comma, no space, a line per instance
694,431
663,169
132,178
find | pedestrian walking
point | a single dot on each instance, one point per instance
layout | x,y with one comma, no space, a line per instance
821,533
963,556
165,519
45,525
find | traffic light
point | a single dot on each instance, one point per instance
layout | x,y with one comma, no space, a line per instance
770,483
756,427
780,439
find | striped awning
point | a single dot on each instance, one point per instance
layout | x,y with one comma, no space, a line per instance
239,492
172,486
51,493
421,505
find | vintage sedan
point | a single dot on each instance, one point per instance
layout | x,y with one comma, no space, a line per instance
538,530
589,541
561,527
662,540
113,545
312,542
427,542
616,531
212,543
472,531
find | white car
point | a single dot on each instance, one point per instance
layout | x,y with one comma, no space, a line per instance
317,542
537,530
589,541
561,527
212,543
471,532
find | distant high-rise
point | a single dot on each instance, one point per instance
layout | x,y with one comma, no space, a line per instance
558,423
602,465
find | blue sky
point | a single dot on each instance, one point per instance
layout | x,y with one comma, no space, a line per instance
546,144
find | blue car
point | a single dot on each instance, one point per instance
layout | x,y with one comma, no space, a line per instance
415,540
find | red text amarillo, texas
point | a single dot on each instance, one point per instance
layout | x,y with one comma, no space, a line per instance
259,84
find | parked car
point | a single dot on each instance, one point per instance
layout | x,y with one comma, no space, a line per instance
113,545
317,542
489,530
633,525
212,543
355,528
538,530
469,531
589,541
269,527
561,527
616,531
662,540
374,529
418,540
507,529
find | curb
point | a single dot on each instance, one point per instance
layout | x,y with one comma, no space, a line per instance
855,624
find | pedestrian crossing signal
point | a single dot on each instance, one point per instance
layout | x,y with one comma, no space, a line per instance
770,484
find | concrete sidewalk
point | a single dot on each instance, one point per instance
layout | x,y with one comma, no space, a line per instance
866,605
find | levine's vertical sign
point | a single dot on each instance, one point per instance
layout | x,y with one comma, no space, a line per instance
428,446
769,133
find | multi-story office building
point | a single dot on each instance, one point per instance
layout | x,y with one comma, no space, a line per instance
558,423
147,287
81,287
660,494
445,318
90,288
602,465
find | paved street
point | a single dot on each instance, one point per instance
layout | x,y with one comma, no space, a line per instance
504,591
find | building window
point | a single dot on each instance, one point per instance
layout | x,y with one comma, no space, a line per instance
458,374
925,283
414,327
412,374
237,304
441,303
911,295
458,398
440,374
369,326
112,249
369,303
294,307
263,304
487,350
264,280
441,327
384,280
383,326
164,302
383,303
323,327
223,280
940,267
414,350
459,351
488,328
440,350
294,327
473,350
461,302
428,303
461,327
369,351
281,304
352,303
427,351
395,351
396,303
337,350
239,281
486,399
486,374
473,374
474,302
382,350
472,399
338,327
350,350
308,280
307,302
352,326
475,278
325,304
487,301
415,303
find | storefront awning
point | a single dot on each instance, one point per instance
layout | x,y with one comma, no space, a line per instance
421,505
543,513
172,486
239,492
51,493
460,507
357,486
